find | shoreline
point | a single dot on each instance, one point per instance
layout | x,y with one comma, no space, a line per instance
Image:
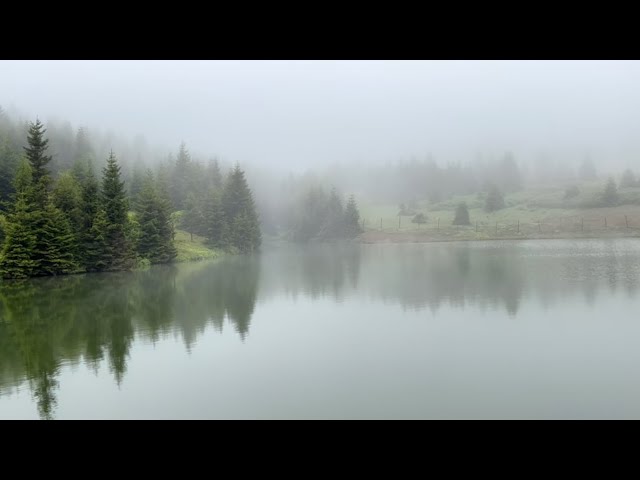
377,237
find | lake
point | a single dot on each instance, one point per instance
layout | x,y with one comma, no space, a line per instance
513,329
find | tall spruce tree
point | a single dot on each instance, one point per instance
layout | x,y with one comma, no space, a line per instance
495,200
36,153
20,242
214,175
240,212
352,218
58,242
119,252
96,255
193,217
462,215
156,231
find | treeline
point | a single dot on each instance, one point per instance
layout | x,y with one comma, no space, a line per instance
222,212
318,216
76,223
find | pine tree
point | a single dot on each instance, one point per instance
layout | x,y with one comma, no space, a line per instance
156,229
193,218
495,200
352,218
67,196
38,160
610,196
137,183
19,244
462,215
237,201
214,174
8,164
23,180
114,202
36,152
58,243
96,254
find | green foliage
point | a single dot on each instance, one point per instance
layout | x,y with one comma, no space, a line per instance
156,230
119,253
494,200
95,246
19,245
67,196
57,242
78,224
352,218
36,152
462,215
240,212
9,160
193,220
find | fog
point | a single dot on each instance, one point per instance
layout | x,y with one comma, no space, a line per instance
294,115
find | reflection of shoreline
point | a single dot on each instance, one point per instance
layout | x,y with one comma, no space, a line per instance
484,274
90,318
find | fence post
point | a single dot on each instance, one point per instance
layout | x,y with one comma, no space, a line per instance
626,220
496,228
583,224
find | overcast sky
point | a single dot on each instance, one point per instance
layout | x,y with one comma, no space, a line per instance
308,113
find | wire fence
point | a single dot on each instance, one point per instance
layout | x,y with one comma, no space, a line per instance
573,224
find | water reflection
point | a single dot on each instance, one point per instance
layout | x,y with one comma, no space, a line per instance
485,275
47,324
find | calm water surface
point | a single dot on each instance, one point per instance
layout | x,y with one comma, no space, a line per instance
526,329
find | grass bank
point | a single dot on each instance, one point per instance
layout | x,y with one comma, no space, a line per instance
190,251
529,214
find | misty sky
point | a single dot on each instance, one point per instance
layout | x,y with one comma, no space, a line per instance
310,113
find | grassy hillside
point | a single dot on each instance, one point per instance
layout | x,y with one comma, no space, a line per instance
536,212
